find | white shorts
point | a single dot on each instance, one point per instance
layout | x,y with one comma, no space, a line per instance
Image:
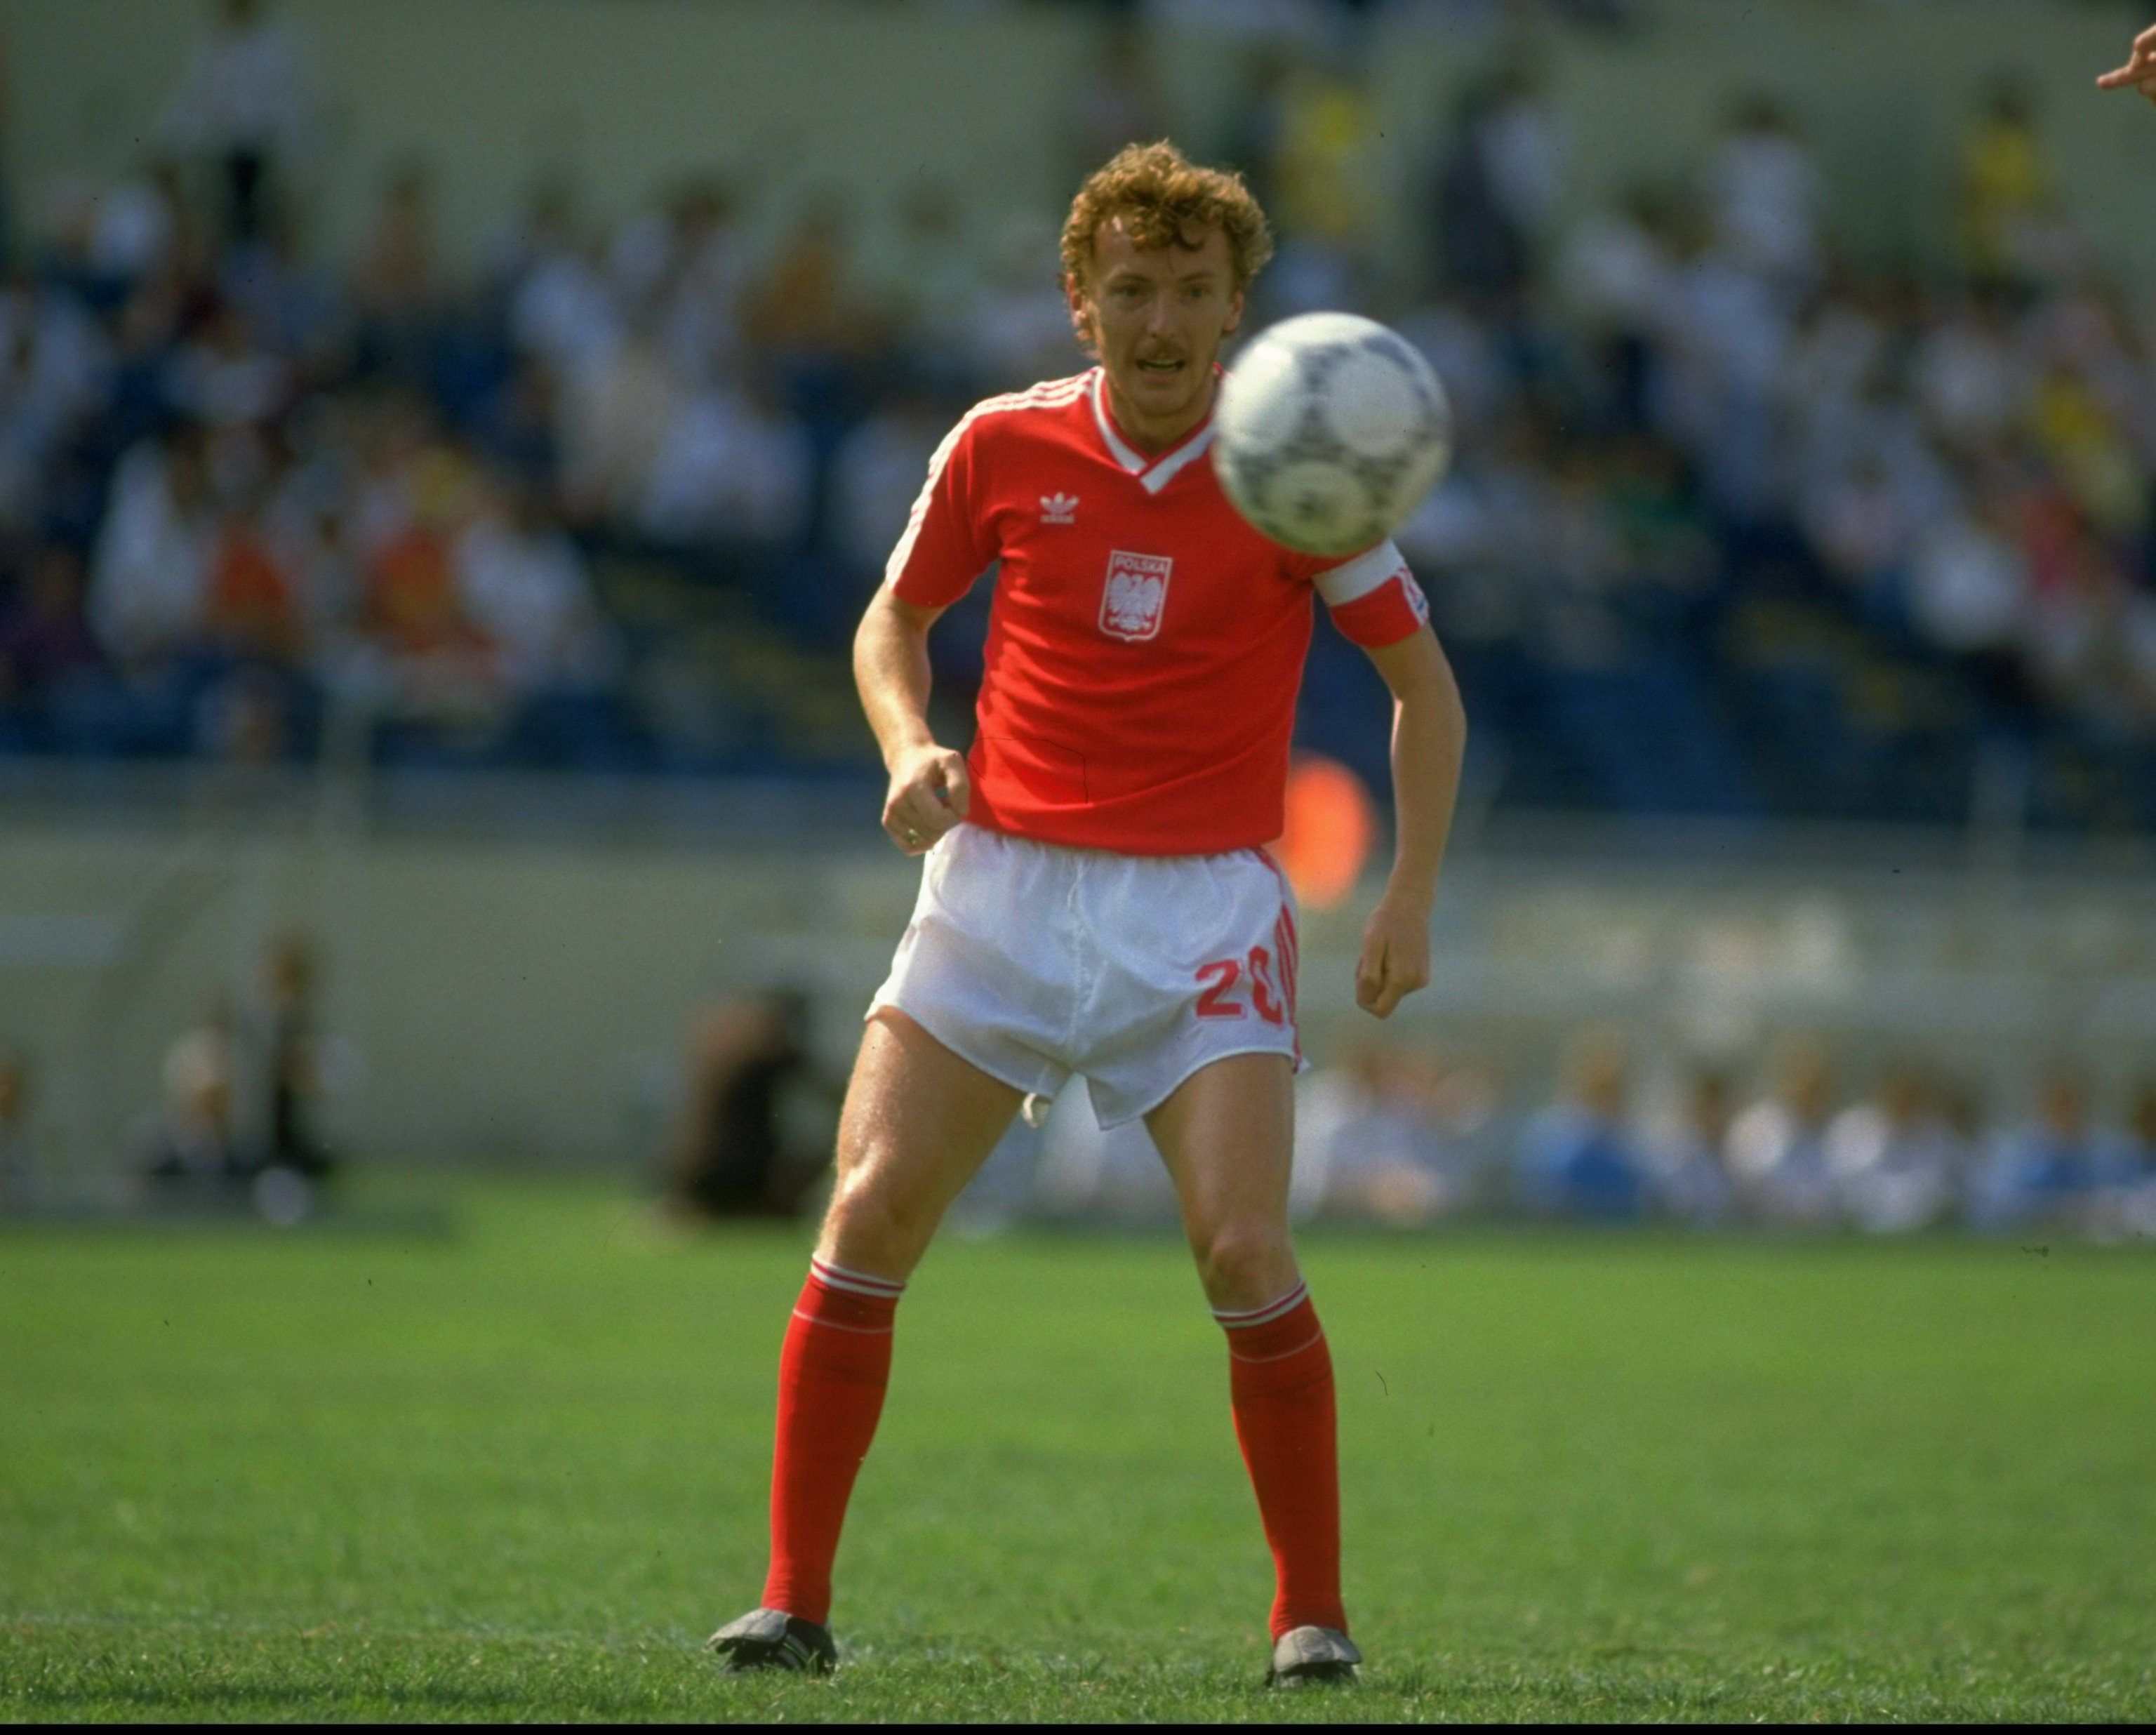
1035,960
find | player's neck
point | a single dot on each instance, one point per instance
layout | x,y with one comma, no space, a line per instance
1152,436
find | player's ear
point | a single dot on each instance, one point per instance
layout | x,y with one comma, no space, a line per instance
1234,315
1082,315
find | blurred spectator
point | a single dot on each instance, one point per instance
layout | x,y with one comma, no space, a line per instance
45,643
1726,338
226,377
54,368
1020,323
684,268
138,230
1969,592
730,465
19,1165
1896,1165
805,317
1372,1142
876,475
736,1150
1971,388
245,110
298,313
2133,1159
1525,147
1685,1162
2005,181
621,408
1328,180
1614,272
517,427
1577,1157
561,308
1488,188
1777,1147
1764,194
189,1141
436,667
2045,1171
149,592
932,277
2128,1204
282,1071
522,584
394,289
252,610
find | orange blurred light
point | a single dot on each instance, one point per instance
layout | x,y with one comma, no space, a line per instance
1331,823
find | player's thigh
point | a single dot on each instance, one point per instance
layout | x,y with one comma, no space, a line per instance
919,1121
1227,1133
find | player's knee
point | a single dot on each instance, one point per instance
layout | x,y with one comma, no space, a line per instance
1244,1261
871,1226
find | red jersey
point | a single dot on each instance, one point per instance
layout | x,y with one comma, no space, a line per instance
1145,643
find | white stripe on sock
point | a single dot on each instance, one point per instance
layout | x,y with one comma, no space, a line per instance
1235,1321
860,1283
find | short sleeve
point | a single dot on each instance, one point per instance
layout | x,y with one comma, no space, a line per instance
1373,597
940,554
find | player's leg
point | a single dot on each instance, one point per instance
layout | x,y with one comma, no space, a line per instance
918,1123
1227,1133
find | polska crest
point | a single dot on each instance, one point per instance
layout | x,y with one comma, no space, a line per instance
1136,593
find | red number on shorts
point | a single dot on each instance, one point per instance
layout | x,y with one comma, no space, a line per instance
1214,1003
1261,986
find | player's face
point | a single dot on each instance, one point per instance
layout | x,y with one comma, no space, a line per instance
1156,316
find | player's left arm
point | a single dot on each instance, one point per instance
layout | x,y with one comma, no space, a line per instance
1430,735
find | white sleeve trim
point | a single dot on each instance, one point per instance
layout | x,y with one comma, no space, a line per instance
1048,394
1361,575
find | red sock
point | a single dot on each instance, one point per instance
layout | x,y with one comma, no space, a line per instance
1280,1379
831,1378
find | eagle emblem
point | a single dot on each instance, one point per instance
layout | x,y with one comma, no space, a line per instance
1135,595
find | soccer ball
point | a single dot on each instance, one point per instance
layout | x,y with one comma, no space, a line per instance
1331,430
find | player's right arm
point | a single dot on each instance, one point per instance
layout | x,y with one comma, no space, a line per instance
2140,70
936,560
929,790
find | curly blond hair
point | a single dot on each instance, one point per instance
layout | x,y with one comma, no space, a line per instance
1164,197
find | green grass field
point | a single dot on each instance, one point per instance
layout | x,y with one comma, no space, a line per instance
520,1473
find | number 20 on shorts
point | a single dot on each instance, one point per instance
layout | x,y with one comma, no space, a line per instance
1220,980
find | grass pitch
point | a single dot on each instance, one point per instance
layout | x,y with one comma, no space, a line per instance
520,1473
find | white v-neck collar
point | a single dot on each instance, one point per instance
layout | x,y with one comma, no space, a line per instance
1155,474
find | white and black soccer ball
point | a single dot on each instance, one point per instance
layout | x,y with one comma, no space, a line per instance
1330,429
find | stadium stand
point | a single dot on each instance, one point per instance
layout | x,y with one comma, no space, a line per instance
356,525
1738,528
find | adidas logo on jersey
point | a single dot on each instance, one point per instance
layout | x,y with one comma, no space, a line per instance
1059,509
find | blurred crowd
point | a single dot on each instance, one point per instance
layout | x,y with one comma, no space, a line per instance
1735,526
1841,517
1406,1135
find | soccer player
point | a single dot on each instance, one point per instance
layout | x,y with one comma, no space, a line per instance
2139,72
1097,900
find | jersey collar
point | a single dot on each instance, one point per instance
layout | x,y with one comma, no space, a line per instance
1153,474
